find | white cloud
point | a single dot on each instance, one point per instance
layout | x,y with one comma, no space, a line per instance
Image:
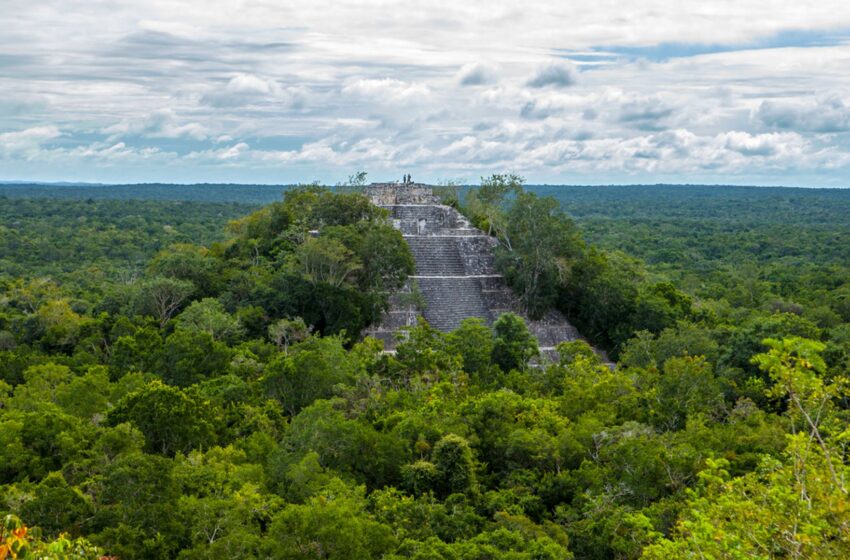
826,114
249,89
386,90
27,142
250,84
763,145
163,123
306,91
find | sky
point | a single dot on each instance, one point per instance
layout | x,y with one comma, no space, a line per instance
287,91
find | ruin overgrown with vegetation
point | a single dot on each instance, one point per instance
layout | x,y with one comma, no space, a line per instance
193,380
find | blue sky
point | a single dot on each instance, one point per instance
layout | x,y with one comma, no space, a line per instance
589,92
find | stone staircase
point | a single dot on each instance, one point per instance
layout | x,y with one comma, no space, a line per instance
450,300
455,270
436,256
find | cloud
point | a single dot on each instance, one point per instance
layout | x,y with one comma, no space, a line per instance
112,154
531,111
305,92
250,84
477,74
34,145
249,89
538,110
387,90
762,145
163,123
645,113
174,41
228,153
18,104
27,142
822,115
557,74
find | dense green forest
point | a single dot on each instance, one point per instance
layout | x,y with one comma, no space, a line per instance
188,380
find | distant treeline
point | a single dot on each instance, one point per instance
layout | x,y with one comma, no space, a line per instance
579,201
207,192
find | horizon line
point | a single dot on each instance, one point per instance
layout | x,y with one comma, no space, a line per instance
7,183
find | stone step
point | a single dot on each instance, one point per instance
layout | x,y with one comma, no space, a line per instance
451,300
436,255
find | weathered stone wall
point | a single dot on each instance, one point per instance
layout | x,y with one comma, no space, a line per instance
455,270
385,194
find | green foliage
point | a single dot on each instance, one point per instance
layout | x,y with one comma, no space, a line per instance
56,507
88,244
514,344
288,331
332,525
328,258
454,465
791,507
189,357
209,316
190,263
324,260
171,421
20,542
473,341
539,246
310,371
685,386
162,297
236,419
420,477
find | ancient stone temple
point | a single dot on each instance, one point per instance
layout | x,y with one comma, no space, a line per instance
455,274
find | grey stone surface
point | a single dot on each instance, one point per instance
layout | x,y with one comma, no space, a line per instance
455,270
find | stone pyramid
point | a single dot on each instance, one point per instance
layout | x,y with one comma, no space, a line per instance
455,271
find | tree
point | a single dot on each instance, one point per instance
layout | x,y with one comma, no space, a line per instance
18,541
455,467
189,263
387,260
487,200
601,297
790,508
796,367
288,331
42,383
424,353
171,420
785,510
538,246
311,371
686,386
514,345
86,395
348,446
420,477
209,316
140,352
333,525
321,259
473,341
189,357
355,183
56,507
136,501
162,297
60,324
